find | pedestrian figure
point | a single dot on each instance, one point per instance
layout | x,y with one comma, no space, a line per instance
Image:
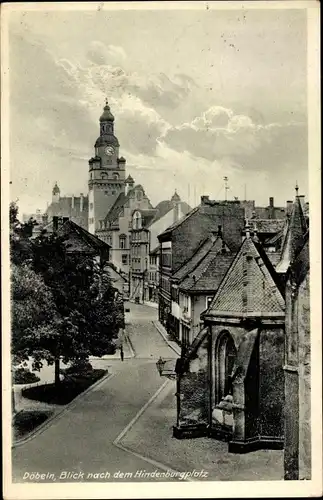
121,353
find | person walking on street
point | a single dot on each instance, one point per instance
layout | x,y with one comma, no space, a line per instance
121,353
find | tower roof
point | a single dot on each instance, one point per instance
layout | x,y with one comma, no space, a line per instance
130,180
106,116
175,197
56,189
295,231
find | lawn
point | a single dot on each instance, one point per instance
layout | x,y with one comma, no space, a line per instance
26,421
66,391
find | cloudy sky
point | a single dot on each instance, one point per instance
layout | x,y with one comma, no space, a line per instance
197,95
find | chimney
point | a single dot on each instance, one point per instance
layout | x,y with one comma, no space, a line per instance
73,202
220,231
289,208
204,200
55,223
81,202
271,214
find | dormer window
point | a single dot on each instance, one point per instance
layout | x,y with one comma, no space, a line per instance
115,176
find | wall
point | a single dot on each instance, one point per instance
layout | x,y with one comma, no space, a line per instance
198,306
161,225
190,234
194,390
304,379
271,382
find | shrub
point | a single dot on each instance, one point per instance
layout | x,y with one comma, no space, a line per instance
80,366
24,376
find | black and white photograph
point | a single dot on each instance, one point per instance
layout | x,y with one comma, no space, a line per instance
161,249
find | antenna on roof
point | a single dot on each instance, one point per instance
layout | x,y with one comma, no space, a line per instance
245,192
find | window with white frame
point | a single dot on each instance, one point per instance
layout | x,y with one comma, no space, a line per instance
122,241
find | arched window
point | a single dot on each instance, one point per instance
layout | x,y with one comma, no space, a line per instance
115,176
104,175
225,355
139,195
137,220
122,241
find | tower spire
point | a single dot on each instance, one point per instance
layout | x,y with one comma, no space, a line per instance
296,188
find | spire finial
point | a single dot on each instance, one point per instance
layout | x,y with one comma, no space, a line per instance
296,188
106,101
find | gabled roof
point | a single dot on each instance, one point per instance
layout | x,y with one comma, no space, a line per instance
70,229
78,239
210,243
166,206
271,226
116,208
294,236
173,226
250,288
208,274
272,240
301,264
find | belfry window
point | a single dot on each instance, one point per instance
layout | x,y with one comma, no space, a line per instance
225,355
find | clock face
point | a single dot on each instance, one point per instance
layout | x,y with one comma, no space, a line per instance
109,150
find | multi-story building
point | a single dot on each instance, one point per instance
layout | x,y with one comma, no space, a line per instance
246,377
146,225
117,225
196,282
73,207
179,241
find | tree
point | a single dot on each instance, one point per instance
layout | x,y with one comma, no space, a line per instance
89,317
32,310
20,245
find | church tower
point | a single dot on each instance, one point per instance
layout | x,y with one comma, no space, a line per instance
106,172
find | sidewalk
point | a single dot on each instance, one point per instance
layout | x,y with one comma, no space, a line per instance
151,437
163,332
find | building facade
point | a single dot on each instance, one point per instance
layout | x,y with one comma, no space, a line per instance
195,284
146,225
73,207
183,238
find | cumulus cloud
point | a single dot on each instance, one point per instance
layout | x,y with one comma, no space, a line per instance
220,134
101,54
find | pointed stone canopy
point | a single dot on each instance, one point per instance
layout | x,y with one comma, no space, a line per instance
294,233
175,197
249,288
56,189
